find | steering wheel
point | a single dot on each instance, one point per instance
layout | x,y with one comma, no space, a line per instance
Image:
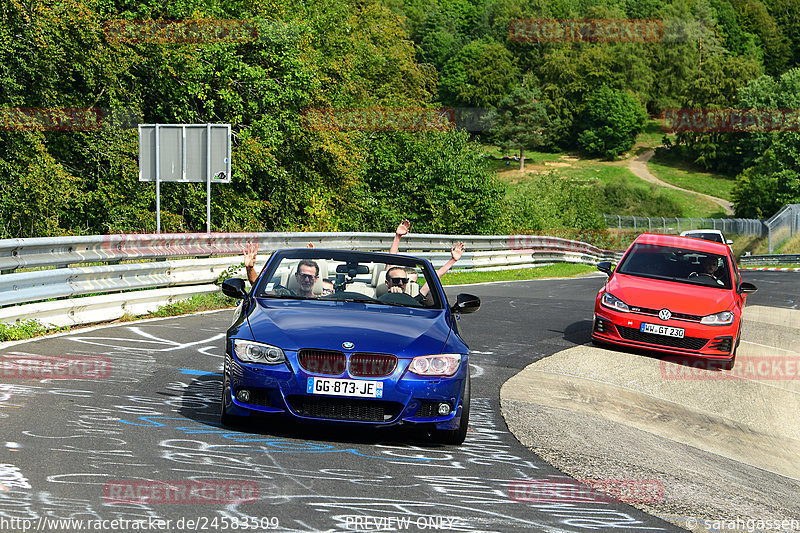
400,298
698,274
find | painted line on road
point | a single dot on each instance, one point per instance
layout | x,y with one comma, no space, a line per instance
8,344
768,346
190,372
772,269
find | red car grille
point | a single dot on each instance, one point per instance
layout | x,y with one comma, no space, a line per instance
654,312
686,343
323,362
372,364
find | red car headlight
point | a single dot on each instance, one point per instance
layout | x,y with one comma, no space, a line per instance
725,318
612,302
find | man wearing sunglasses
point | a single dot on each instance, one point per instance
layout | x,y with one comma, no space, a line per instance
396,279
306,276
455,254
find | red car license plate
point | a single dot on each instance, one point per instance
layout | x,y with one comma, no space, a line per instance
667,331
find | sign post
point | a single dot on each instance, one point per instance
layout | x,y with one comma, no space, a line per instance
185,153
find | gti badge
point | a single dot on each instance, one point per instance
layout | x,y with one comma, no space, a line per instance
664,314
347,345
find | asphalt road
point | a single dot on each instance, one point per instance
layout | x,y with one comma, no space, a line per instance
81,449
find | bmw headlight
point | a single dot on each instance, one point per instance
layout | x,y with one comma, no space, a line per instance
724,318
445,364
257,352
612,302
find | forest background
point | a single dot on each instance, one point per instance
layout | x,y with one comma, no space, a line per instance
590,98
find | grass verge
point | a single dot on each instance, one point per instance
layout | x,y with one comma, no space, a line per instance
683,174
26,329
558,270
612,179
195,304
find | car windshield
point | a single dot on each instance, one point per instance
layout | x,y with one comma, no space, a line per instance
707,236
331,275
680,265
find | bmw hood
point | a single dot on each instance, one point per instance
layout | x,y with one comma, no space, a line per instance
296,324
677,297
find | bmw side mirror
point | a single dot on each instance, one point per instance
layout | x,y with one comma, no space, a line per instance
605,266
234,288
746,288
466,303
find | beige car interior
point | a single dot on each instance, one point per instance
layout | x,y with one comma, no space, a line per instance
372,284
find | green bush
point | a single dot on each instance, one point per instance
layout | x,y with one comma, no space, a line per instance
611,120
623,198
24,329
548,202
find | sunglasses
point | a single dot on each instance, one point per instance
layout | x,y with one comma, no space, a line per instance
307,276
398,281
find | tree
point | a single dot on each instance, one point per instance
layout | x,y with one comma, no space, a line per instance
521,121
438,180
610,122
480,74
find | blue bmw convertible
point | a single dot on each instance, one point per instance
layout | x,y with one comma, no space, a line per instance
350,337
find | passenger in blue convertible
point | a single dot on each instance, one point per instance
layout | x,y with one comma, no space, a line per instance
306,282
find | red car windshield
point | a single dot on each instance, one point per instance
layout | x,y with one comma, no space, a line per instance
708,236
677,264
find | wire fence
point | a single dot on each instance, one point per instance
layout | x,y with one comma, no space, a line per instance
784,225
675,225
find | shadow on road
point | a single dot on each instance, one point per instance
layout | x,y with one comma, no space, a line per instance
201,403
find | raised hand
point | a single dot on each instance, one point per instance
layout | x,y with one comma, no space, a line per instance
403,227
457,250
249,252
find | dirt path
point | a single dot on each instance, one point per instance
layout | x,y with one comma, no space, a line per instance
638,166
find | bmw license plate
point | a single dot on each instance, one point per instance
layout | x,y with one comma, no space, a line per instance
345,387
661,330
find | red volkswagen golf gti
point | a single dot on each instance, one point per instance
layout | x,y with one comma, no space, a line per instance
673,294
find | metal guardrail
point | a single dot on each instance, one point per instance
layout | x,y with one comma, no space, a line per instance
777,259
175,266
